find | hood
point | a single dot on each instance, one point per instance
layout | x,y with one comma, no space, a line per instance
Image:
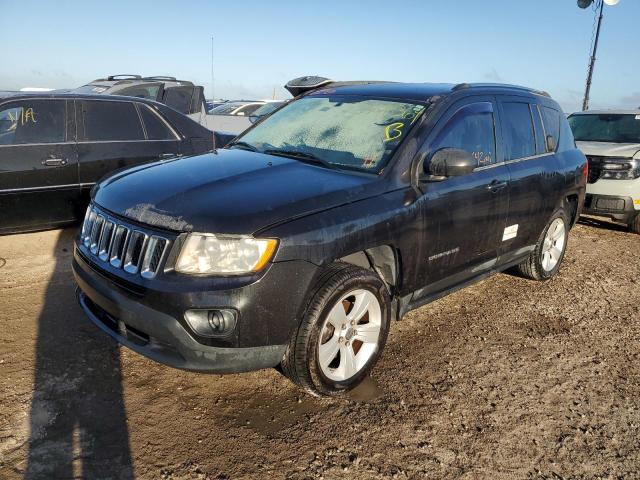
233,191
603,149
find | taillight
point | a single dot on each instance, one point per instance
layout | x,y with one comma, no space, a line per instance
585,170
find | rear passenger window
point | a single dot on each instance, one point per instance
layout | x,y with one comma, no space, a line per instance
471,129
519,137
551,119
32,121
111,121
156,128
179,98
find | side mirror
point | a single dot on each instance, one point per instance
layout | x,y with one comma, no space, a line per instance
551,142
450,162
240,114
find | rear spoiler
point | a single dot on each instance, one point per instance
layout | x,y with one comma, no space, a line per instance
301,85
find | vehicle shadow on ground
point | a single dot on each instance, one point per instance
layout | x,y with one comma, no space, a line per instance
602,224
78,426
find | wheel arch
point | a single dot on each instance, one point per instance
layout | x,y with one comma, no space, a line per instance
571,205
384,260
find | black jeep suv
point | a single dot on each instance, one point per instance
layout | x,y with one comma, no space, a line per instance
300,241
55,146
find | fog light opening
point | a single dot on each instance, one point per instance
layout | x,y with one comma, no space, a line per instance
219,322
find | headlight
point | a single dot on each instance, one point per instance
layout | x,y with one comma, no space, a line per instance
623,169
212,254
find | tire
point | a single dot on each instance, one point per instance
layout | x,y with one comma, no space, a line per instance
321,336
545,260
634,225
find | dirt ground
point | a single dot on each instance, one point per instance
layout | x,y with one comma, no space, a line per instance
506,379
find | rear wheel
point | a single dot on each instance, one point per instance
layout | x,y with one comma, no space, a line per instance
342,333
544,262
634,225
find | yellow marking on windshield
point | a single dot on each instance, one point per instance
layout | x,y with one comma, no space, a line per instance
393,131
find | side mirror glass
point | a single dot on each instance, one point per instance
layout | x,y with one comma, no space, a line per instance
551,143
450,162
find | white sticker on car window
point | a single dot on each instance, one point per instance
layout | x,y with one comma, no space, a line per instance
510,232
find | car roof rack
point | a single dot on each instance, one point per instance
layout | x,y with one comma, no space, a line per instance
464,86
124,76
164,78
160,77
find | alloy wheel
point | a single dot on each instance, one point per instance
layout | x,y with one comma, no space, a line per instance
350,334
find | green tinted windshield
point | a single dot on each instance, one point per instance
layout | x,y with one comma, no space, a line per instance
346,131
614,128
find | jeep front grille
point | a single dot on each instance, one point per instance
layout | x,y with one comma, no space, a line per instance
110,241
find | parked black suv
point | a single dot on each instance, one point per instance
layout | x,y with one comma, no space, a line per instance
55,146
301,240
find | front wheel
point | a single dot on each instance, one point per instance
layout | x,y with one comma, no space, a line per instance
544,262
342,333
634,224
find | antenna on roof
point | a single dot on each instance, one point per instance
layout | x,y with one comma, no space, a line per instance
213,97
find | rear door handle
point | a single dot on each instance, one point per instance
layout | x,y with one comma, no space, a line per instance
496,185
54,162
168,155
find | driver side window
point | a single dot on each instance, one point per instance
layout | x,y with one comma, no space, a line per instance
472,129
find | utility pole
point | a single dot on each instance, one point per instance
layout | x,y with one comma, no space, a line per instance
592,61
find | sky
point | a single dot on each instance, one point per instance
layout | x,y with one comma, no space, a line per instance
259,45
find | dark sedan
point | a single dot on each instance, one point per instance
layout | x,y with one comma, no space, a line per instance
55,146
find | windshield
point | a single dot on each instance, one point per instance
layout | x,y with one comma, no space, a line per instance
344,131
266,109
91,89
614,128
225,108
140,91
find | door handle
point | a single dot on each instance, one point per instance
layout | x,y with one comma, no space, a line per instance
54,162
168,155
496,185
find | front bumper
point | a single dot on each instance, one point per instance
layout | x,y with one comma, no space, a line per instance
151,322
610,206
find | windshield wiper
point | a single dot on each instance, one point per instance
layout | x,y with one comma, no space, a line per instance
302,156
243,145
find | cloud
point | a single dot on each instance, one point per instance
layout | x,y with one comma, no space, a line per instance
493,75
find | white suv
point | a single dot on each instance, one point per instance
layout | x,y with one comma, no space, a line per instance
611,141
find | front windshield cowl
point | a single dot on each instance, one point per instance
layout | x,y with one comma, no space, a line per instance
338,131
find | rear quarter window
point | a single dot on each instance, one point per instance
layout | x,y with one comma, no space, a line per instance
111,121
155,127
551,120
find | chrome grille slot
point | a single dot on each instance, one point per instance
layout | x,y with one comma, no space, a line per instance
85,224
108,240
118,245
86,239
153,256
133,255
96,230
105,240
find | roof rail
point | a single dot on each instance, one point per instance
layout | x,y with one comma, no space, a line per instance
124,76
463,86
161,77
